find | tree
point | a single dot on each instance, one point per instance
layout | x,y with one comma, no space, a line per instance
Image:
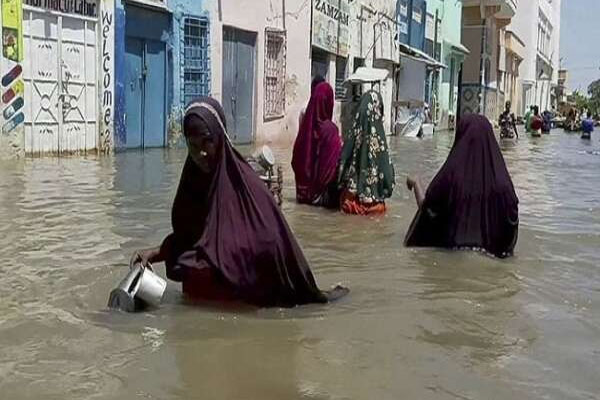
581,101
594,100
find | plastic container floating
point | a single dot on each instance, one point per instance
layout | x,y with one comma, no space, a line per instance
141,288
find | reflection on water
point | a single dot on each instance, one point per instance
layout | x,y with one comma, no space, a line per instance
423,324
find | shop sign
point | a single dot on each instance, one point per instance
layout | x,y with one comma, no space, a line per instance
85,8
331,26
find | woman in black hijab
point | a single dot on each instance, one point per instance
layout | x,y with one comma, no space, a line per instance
230,240
471,203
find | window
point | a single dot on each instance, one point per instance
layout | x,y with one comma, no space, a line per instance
275,53
196,62
340,77
544,38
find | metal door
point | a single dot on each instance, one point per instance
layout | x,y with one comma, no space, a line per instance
134,92
154,94
238,83
145,97
60,82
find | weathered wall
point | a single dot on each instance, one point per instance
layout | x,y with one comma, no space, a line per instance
255,16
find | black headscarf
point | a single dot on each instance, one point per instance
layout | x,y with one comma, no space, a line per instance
229,221
471,203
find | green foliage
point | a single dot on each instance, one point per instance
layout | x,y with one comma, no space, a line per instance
594,99
581,101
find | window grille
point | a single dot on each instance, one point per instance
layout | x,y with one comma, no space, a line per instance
196,60
275,55
340,77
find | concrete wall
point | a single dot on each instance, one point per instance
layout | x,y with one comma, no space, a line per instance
524,24
95,130
363,32
451,32
482,68
255,16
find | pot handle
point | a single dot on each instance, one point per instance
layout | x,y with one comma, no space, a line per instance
133,264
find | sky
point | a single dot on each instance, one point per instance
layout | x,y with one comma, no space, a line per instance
580,41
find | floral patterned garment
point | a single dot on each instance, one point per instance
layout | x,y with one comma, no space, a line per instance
365,167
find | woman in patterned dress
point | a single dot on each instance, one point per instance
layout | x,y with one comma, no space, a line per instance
366,175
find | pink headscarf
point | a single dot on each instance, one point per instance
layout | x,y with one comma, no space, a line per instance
318,146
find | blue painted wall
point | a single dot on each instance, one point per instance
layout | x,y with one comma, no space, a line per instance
403,18
182,8
119,117
415,35
417,30
165,27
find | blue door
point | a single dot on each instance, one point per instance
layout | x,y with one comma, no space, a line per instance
134,92
145,93
238,83
154,94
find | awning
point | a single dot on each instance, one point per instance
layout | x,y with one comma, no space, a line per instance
458,48
367,75
419,55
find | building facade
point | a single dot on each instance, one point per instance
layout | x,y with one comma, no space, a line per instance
261,73
483,33
57,69
163,61
537,23
444,21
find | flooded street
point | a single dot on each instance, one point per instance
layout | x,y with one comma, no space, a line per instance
418,323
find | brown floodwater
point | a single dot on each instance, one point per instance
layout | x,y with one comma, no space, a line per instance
418,324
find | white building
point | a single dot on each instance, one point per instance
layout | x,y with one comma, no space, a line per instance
260,73
57,77
537,24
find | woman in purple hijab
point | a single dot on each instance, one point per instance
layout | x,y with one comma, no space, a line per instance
230,240
471,203
317,151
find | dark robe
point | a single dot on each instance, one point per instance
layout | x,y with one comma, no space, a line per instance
228,229
471,203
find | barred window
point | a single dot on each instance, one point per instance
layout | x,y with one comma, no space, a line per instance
340,78
275,53
196,60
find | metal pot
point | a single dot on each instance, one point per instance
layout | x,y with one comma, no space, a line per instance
139,289
264,157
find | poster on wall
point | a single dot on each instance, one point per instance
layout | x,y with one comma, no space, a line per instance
12,30
331,26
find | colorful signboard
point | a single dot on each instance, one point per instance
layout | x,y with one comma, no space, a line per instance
85,8
12,30
331,26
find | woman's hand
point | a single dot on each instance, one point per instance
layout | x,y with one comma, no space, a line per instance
144,257
411,182
414,184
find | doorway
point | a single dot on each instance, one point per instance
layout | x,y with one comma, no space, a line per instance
145,75
61,87
238,83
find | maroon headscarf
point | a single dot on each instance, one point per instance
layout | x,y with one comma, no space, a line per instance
229,221
318,146
471,203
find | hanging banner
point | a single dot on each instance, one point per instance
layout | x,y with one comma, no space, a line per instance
12,30
331,26
86,8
